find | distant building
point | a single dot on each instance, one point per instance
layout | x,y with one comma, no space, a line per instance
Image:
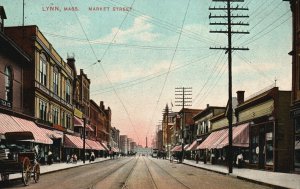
124,144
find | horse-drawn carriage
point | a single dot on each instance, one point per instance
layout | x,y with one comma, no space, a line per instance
14,159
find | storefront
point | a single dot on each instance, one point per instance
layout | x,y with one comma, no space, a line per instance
295,114
271,130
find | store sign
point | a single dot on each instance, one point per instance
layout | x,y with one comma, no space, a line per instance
77,113
5,103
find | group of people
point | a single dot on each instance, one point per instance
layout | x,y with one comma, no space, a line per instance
72,158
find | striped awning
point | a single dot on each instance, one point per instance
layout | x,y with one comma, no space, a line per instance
105,146
72,141
52,134
211,139
177,148
240,137
14,124
78,122
193,146
95,145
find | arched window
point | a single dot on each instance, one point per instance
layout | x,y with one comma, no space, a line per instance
43,69
8,84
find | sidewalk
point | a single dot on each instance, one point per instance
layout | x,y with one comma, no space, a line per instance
59,166
285,180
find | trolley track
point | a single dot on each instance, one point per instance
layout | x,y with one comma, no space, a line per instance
174,178
152,179
112,171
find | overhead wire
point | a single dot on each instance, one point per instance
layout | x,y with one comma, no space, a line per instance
148,77
102,68
170,65
164,24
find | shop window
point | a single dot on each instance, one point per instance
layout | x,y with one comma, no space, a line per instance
8,84
297,151
297,125
254,149
269,148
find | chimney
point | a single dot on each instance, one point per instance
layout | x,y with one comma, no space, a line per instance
207,105
240,96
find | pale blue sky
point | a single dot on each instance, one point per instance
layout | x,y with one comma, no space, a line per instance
140,56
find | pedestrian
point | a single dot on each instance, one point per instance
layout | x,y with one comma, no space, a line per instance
197,158
92,157
239,160
50,158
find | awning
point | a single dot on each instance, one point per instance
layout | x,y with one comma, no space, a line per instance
193,146
7,124
72,141
94,145
89,127
105,146
186,146
39,135
78,122
177,148
115,149
52,134
211,139
240,137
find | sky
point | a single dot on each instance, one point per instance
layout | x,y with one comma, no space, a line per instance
136,52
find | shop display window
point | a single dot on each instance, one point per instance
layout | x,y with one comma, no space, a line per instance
269,148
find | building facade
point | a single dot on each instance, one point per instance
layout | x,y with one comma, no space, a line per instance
12,62
49,89
270,130
123,144
295,104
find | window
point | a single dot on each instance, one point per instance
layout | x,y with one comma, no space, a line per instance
68,91
68,121
43,110
55,81
55,115
297,142
8,84
63,119
43,69
269,148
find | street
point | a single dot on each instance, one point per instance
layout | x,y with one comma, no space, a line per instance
134,172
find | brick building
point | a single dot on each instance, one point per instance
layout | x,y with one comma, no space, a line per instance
295,104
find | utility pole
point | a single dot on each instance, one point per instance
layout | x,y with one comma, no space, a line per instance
166,112
183,100
229,8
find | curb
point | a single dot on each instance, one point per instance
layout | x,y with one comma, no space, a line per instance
241,178
66,168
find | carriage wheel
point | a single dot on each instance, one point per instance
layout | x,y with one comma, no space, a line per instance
36,172
26,171
4,177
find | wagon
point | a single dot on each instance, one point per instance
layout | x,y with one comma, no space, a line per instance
19,160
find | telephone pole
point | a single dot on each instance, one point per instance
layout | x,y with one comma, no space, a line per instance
229,8
183,100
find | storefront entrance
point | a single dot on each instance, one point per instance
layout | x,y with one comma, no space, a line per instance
261,146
